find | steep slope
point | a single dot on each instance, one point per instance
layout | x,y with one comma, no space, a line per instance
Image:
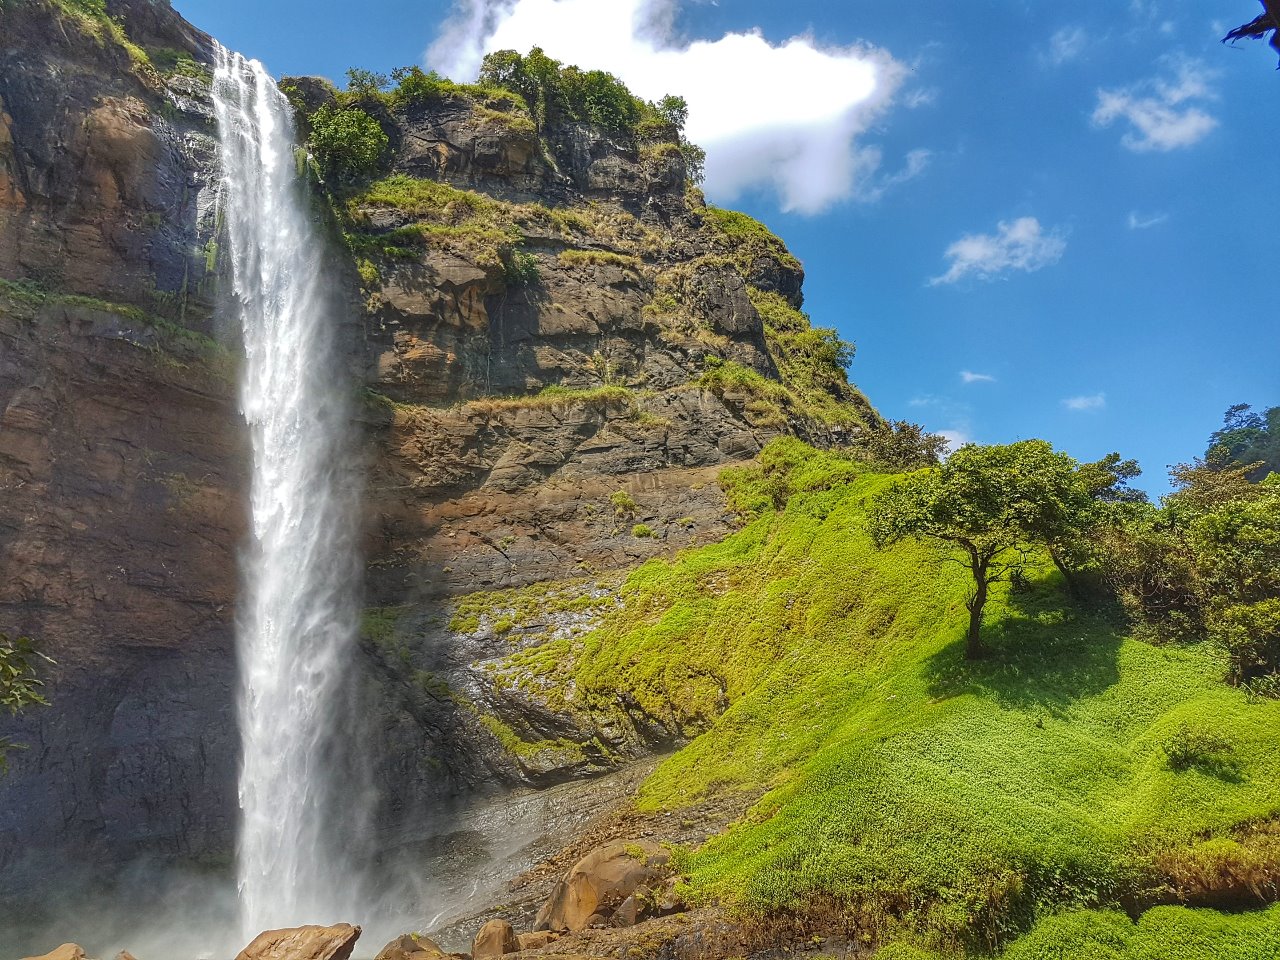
905,793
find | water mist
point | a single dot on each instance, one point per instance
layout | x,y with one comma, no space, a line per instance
299,611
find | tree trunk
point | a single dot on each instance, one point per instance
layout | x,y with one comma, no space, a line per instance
1068,576
973,648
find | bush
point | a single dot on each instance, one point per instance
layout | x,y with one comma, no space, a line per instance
642,531
520,269
347,143
623,505
1194,746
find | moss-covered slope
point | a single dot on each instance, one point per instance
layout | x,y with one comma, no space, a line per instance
905,791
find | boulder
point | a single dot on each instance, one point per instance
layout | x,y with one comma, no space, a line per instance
534,941
125,955
68,951
497,937
303,943
599,883
411,947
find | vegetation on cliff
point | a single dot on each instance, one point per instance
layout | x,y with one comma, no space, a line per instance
909,793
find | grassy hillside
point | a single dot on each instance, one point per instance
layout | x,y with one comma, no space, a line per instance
911,795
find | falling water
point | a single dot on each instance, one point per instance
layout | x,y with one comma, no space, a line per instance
299,616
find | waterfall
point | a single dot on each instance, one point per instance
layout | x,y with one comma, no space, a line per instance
299,612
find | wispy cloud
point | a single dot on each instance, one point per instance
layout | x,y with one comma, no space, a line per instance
1065,45
1087,403
1020,244
968,376
785,116
920,97
1163,113
1138,221
916,163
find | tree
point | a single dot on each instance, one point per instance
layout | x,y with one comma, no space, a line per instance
1256,29
348,144
365,84
19,684
1247,439
994,505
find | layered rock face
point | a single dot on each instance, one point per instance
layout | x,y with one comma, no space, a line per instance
560,347
121,463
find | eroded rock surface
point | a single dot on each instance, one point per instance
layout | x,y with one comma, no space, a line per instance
303,943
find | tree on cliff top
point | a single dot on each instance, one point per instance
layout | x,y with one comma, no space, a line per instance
996,506
1256,29
19,684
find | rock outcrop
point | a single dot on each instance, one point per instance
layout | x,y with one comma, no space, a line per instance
602,884
303,943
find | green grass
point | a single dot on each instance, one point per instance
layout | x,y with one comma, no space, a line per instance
748,239
927,797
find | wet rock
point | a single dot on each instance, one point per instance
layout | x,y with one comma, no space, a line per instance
68,951
411,947
599,883
497,937
303,943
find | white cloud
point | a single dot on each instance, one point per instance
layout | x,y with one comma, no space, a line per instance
1018,245
925,97
785,116
1065,45
1164,114
968,376
955,439
1138,221
1087,403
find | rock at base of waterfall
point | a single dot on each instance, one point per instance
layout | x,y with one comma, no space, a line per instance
411,947
535,941
303,943
68,951
497,937
125,955
599,883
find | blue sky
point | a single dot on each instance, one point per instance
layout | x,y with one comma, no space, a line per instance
1038,220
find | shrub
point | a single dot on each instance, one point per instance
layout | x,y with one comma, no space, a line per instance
520,269
1194,746
642,531
347,143
623,505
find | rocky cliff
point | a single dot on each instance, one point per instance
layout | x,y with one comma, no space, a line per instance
559,345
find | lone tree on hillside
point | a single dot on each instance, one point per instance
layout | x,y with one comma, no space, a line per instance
19,685
995,506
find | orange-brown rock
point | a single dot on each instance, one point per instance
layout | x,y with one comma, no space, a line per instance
496,938
537,939
411,946
68,951
311,942
599,883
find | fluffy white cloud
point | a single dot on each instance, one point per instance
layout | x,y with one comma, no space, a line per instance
1138,221
1163,113
968,376
1087,403
1065,45
1018,245
786,116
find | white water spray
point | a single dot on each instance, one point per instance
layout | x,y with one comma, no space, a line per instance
298,619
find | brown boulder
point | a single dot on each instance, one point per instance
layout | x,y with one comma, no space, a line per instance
599,883
303,943
533,941
68,951
495,938
411,947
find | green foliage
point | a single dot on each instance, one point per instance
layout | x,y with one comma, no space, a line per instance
623,504
898,446
180,62
905,788
348,143
365,84
642,531
748,239
1205,563
19,683
1247,439
520,269
599,258
1164,933
1194,745
993,506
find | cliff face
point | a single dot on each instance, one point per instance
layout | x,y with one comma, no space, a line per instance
561,348
120,459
